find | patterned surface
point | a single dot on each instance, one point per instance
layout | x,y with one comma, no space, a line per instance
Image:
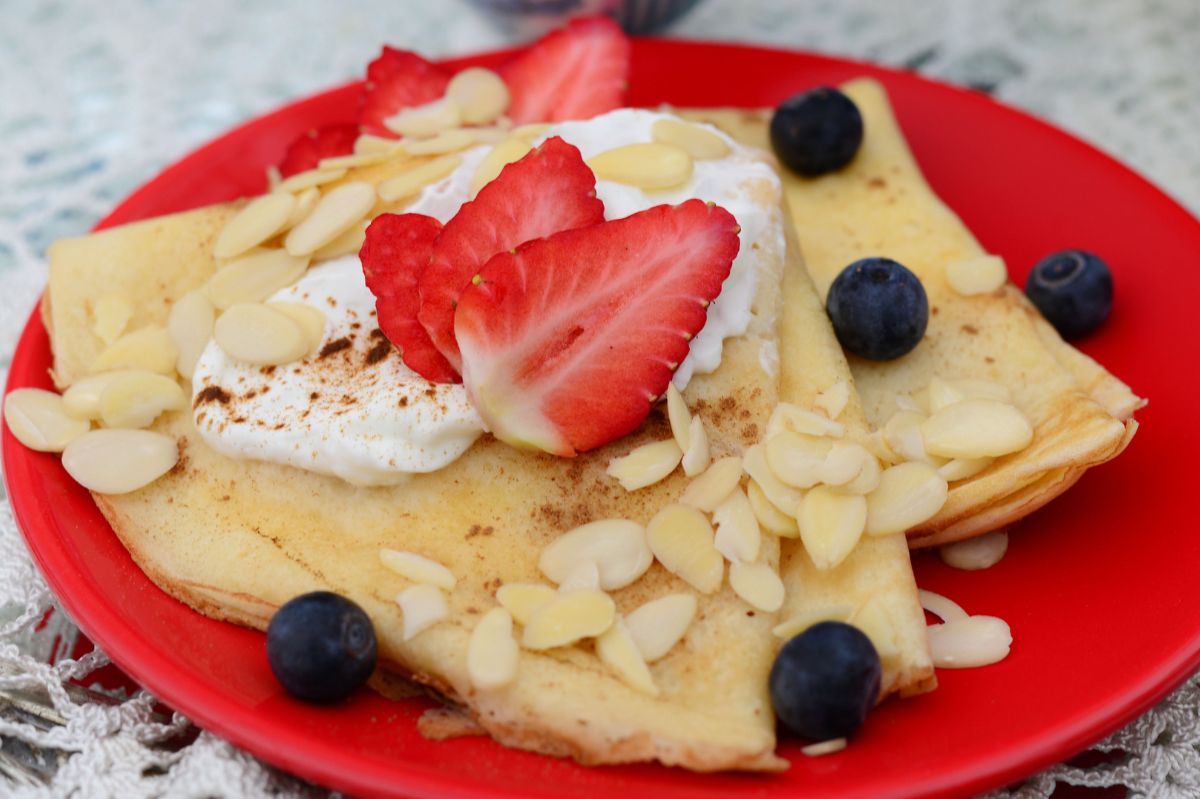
95,98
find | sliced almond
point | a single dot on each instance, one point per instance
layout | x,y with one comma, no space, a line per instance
481,94
833,400
802,621
367,144
645,465
618,650
584,575
738,536
500,156
491,134
962,468
423,606
782,496
254,277
258,335
942,394
650,166
412,181
617,546
844,462
273,178
875,621
259,220
824,747
682,540
534,130
944,608
448,141
38,419
698,142
797,459
347,243
794,419
969,643
417,568
758,585
306,200
426,120
973,554
119,461
82,399
659,624
679,416
982,274
770,518
111,313
976,428
150,348
337,211
492,653
357,160
709,489
313,177
190,325
696,456
522,599
908,494
135,399
867,479
831,523
567,618
902,432
311,321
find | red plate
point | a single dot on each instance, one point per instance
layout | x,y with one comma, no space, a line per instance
1099,587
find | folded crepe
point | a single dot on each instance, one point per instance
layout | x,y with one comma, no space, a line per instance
235,539
880,205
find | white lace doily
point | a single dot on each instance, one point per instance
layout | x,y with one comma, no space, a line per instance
95,98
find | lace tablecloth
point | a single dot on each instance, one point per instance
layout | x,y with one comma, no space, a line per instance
95,98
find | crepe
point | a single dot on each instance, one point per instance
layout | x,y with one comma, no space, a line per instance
235,539
880,205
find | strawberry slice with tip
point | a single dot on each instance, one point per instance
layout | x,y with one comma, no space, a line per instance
575,72
306,152
396,80
567,342
549,190
397,248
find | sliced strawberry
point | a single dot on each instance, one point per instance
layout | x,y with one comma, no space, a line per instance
396,80
567,342
328,142
397,248
549,190
575,72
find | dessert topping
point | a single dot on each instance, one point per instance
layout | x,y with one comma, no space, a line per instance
423,606
618,650
696,140
1073,289
111,313
696,456
772,519
569,617
259,220
492,654
817,131
908,494
659,624
149,348
976,428
973,554
254,276
417,568
617,547
480,93
758,584
410,182
338,209
307,151
321,646
190,325
39,419
396,80
831,522
650,166
878,309
714,484
119,461
681,538
522,599
645,465
136,398
259,335
982,274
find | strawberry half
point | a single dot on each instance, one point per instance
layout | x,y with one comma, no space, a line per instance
576,72
549,190
307,151
397,248
398,79
567,342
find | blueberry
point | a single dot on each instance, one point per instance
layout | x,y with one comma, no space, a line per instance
825,680
1073,289
878,309
321,646
817,131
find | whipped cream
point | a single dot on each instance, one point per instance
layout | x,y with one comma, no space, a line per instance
354,410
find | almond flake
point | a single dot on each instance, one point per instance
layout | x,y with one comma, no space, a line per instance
190,325
112,312
797,459
771,518
254,276
448,141
696,456
679,416
150,348
492,654
793,418
982,274
902,432
682,540
368,143
876,623
567,618
908,494
659,624
426,120
417,568
699,142
338,210
259,220
645,465
738,537
313,177
617,547
969,643
833,400
305,201
782,496
944,608
412,181
310,320
648,166
976,428
981,552
82,399
480,93
522,599
136,398
942,394
119,461
534,130
807,618
500,156
258,335
758,585
962,468
844,462
824,747
584,575
423,606
867,479
347,243
357,159
38,419
709,489
617,649
831,523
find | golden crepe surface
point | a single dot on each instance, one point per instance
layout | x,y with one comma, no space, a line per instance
881,205
235,539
